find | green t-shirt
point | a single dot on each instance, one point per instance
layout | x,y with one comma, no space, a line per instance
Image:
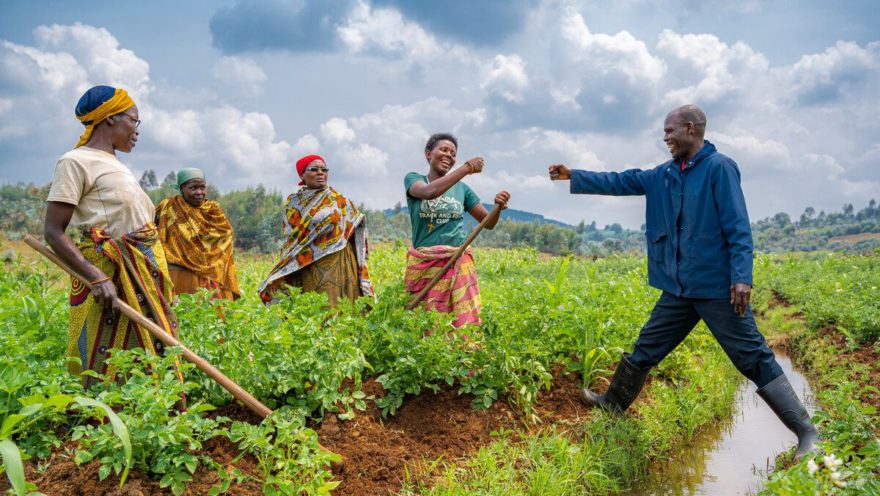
439,221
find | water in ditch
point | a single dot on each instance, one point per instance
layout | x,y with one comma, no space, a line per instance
731,457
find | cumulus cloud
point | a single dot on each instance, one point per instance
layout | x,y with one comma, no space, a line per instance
47,78
243,73
763,153
507,77
364,160
248,140
836,72
357,159
618,53
306,145
336,131
99,53
57,70
385,30
582,81
710,70
67,60
564,147
177,131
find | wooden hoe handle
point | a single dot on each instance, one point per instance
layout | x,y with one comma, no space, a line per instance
496,211
240,394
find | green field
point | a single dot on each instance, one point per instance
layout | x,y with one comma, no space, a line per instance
547,322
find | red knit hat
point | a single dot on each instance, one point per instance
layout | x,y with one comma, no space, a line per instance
304,162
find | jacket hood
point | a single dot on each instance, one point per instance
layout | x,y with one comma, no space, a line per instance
707,149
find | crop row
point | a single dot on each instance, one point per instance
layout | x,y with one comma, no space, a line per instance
832,289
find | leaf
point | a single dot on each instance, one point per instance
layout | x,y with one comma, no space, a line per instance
118,428
29,410
58,401
104,471
203,407
329,486
83,457
14,466
8,423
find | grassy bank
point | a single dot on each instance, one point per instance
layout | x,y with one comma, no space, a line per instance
825,310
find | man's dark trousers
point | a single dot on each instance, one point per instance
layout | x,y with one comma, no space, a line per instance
673,318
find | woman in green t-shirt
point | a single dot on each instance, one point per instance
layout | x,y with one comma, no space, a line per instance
437,202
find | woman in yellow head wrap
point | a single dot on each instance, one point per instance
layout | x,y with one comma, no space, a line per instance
198,239
120,252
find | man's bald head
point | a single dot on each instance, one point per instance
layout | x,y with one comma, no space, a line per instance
690,113
683,132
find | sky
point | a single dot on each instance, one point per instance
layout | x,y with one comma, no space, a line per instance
242,88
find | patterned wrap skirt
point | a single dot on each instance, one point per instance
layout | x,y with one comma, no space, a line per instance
456,292
136,265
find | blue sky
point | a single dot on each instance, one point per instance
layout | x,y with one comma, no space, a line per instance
242,88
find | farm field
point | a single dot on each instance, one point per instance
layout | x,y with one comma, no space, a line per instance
415,407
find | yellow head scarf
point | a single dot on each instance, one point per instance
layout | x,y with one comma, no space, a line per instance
119,102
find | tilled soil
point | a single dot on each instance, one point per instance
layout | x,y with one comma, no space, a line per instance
62,476
377,452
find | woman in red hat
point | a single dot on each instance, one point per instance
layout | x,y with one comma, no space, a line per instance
326,248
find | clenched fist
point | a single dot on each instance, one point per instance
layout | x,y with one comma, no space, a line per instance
474,165
559,172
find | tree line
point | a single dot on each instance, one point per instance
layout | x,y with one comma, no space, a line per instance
257,216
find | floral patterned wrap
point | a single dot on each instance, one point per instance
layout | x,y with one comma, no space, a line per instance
319,223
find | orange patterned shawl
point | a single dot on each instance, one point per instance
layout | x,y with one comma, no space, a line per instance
319,222
199,239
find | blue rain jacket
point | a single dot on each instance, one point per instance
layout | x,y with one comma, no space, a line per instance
698,233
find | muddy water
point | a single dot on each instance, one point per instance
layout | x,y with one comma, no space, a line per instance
733,457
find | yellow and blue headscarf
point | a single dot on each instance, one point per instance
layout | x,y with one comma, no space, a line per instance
97,104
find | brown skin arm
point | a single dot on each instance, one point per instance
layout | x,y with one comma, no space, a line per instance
479,212
740,294
437,187
58,216
559,172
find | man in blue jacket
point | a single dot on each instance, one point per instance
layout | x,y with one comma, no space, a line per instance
700,256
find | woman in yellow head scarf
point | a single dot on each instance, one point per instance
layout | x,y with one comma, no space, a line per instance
198,239
120,252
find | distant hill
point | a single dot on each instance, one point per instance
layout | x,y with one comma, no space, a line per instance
507,214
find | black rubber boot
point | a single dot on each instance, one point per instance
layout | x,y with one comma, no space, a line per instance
785,404
625,386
